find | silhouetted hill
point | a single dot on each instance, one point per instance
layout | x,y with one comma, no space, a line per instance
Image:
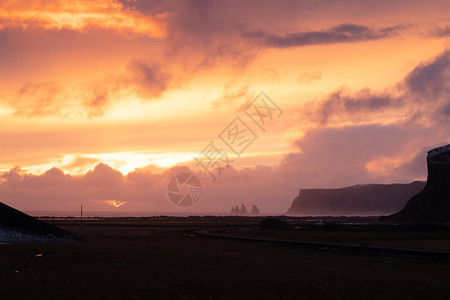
14,222
432,204
370,199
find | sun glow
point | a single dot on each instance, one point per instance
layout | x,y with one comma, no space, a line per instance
115,203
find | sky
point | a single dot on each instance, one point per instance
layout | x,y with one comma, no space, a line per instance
103,102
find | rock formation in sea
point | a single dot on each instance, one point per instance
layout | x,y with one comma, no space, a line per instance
368,199
235,210
243,210
255,210
432,204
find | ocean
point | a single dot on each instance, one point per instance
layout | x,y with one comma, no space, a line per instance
118,214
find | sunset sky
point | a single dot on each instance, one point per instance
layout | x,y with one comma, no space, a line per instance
102,102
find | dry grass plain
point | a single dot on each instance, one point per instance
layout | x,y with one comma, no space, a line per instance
161,258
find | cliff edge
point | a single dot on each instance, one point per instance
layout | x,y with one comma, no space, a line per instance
432,204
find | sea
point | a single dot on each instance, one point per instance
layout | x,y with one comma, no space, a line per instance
123,214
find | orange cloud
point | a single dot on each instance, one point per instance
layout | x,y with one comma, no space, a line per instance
91,99
38,99
79,15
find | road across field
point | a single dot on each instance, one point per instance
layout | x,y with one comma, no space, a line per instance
215,233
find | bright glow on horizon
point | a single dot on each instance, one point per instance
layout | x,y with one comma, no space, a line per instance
114,203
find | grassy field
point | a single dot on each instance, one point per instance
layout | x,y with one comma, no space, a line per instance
162,258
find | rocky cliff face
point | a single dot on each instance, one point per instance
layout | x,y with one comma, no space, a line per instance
371,199
432,204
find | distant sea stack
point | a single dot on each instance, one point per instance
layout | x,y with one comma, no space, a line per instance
432,204
370,199
255,210
243,210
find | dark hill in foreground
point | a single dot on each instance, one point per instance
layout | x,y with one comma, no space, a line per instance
371,199
432,204
15,224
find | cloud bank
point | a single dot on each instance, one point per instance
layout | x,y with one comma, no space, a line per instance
344,33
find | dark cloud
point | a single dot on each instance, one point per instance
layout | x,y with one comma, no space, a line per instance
326,157
360,105
431,79
441,32
423,95
418,109
97,99
51,178
416,166
202,34
237,54
16,178
150,81
142,190
103,175
337,157
12,177
352,145
345,33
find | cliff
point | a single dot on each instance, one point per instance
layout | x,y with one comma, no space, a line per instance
432,204
371,199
